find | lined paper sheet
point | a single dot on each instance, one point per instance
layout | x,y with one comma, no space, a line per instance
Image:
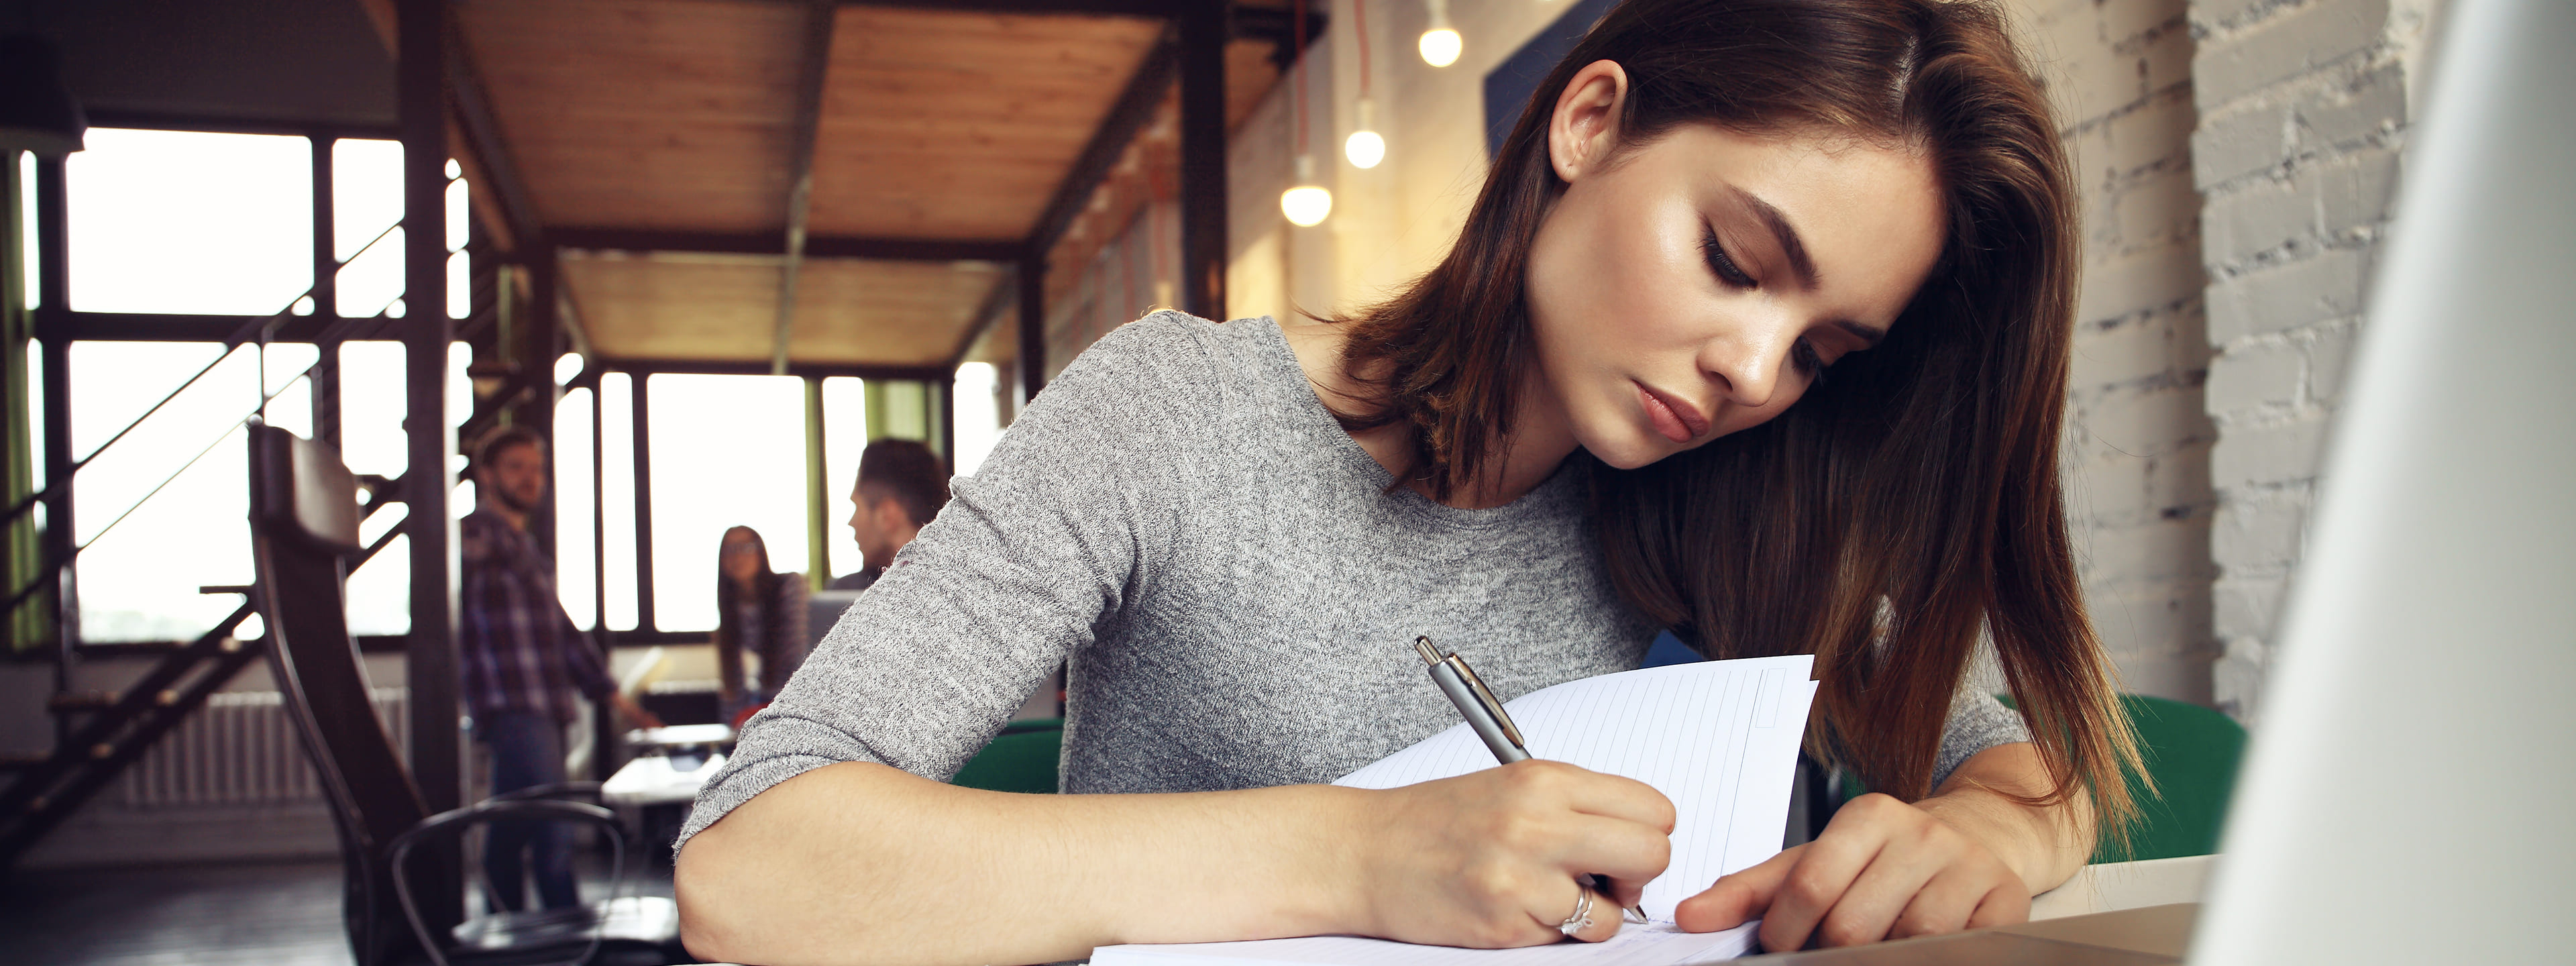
1636,945
1719,738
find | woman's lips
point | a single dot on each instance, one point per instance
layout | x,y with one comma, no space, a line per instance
1678,421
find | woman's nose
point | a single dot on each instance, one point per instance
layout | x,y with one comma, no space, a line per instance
1746,362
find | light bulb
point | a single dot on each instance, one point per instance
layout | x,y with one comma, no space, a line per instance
1440,44
1364,147
1307,204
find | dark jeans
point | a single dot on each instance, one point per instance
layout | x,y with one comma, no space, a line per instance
527,750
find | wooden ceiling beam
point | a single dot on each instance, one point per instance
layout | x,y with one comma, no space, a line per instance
812,64
1160,9
766,243
1134,107
473,111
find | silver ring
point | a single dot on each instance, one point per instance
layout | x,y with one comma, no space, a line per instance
1582,917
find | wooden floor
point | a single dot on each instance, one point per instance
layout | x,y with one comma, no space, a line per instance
269,914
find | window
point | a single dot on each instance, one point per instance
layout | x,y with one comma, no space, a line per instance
617,497
372,441
845,435
979,415
576,529
189,222
366,203
152,550
725,451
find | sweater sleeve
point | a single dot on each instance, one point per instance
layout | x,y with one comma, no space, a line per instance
1068,518
1977,722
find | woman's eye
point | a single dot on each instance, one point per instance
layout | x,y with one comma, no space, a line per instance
1718,262
1805,358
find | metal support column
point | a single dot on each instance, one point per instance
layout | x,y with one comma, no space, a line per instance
326,295
644,619
54,291
1032,272
438,761
818,489
1203,198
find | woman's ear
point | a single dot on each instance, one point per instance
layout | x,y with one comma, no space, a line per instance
1584,128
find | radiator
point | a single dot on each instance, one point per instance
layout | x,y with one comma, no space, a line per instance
240,748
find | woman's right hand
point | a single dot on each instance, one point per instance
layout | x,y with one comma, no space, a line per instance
1494,858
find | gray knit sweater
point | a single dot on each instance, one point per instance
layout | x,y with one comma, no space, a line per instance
1180,520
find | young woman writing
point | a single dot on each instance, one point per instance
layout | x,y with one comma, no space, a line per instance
1578,428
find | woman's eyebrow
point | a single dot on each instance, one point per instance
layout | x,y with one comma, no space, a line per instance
1869,336
1787,234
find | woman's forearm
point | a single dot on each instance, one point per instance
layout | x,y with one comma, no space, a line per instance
865,863
2044,845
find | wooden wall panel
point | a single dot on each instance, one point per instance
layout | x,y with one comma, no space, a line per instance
643,113
961,125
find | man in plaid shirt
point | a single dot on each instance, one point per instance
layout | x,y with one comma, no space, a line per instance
522,661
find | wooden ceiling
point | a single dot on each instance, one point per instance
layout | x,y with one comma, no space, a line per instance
680,118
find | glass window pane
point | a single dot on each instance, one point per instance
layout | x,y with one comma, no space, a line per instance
371,408
845,434
185,221
726,451
372,283
139,581
459,214
460,285
366,193
27,227
285,366
380,590
979,415
576,554
617,496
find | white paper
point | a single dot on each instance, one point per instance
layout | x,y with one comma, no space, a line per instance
1636,945
1719,738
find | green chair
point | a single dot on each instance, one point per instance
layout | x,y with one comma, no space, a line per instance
1021,759
2191,752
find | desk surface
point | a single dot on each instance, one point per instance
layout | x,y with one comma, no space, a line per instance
2114,886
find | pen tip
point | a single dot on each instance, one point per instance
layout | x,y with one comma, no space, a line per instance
1429,654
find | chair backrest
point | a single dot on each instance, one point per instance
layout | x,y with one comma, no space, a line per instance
304,523
2191,752
1022,758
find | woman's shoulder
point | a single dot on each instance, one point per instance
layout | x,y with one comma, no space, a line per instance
1175,350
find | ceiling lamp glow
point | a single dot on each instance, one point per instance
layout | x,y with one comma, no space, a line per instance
1307,204
1440,42
1364,147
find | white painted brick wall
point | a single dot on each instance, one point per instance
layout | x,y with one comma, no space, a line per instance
2138,445
2303,107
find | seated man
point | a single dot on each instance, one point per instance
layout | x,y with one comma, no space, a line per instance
902,485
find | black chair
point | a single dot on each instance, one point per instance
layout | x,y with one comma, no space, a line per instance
304,526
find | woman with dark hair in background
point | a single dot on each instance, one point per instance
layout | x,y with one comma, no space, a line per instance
1758,330
758,611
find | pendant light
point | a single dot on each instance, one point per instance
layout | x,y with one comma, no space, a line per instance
1440,43
1364,147
1307,204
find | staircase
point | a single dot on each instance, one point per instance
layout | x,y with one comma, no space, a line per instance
99,734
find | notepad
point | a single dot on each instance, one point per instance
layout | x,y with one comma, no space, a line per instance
1719,738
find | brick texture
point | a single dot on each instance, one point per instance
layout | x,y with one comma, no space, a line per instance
2118,72
2302,115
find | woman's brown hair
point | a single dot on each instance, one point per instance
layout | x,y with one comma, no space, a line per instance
1907,507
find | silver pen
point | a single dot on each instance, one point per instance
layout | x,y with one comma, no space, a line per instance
1486,717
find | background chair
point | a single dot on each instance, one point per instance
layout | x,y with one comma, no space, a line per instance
304,523
1020,759
2191,753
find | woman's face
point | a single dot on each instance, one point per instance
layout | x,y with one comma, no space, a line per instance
739,558
1698,284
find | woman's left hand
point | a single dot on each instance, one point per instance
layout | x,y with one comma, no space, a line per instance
1883,869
